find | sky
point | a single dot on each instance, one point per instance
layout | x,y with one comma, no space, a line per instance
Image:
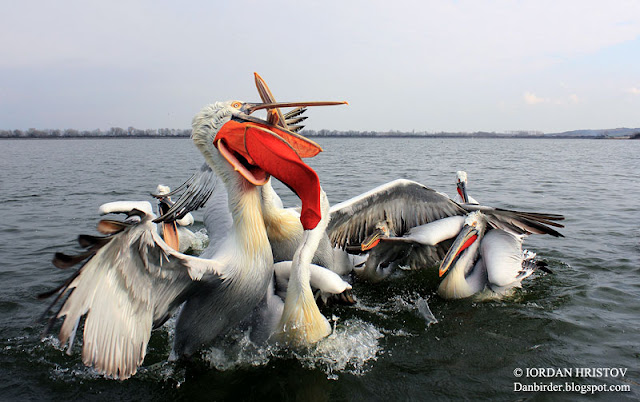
431,66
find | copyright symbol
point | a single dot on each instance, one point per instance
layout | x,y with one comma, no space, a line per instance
517,372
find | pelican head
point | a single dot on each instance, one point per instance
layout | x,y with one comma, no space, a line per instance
461,184
163,194
234,142
382,230
464,247
169,229
162,190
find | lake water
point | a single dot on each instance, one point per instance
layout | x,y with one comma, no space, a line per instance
585,315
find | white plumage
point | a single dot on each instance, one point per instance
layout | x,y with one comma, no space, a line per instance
133,281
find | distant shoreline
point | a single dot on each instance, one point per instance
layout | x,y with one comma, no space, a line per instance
132,132
90,137
469,136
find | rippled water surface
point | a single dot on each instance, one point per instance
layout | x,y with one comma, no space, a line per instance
587,314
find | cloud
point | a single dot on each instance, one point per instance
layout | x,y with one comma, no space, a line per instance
633,91
533,99
153,65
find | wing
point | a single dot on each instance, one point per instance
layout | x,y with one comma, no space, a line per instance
432,233
131,282
519,223
502,255
196,191
403,203
421,247
383,259
203,189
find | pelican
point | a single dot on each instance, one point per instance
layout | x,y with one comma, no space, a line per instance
133,281
175,233
423,221
461,188
283,225
480,258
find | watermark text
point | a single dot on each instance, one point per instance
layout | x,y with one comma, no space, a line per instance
549,379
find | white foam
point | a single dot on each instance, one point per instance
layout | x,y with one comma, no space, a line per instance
199,242
237,350
350,347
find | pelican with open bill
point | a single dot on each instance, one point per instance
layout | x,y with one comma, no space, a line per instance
284,228
133,282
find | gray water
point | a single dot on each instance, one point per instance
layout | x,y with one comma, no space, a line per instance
585,315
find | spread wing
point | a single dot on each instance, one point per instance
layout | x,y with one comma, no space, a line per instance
420,220
196,191
502,254
519,223
405,204
131,282
402,203
420,247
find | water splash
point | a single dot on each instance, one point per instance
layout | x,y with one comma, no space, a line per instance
199,242
350,347
414,303
236,350
425,311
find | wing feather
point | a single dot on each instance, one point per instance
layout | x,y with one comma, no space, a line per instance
520,223
403,203
132,283
196,191
502,254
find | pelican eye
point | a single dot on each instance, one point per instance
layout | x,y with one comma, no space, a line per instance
236,105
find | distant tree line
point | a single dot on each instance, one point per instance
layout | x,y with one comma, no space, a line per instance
396,133
635,136
117,132
132,132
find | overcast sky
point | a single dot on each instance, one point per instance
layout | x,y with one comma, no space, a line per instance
402,65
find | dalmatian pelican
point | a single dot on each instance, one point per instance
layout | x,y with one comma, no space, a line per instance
133,281
482,259
283,224
461,189
404,223
176,233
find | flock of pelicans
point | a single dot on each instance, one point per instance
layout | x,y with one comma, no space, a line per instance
266,265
